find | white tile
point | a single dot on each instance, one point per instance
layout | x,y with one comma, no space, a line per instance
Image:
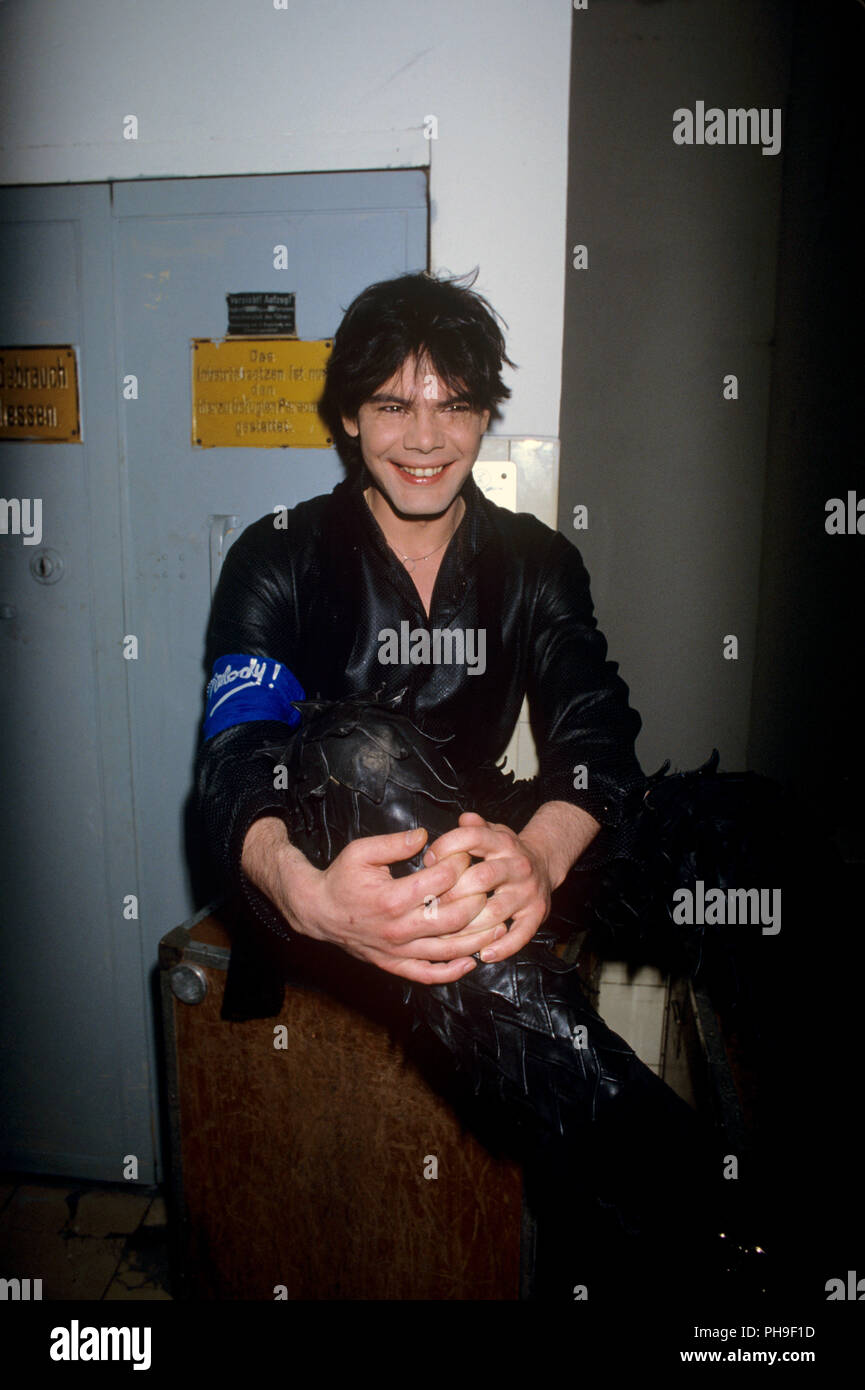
636,1013
616,972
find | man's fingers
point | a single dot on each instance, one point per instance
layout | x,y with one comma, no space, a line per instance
520,934
425,972
389,849
414,890
453,947
479,840
458,862
494,911
431,919
483,877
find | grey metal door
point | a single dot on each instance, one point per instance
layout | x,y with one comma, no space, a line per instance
74,1072
139,518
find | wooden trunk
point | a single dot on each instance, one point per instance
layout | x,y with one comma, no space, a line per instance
327,1168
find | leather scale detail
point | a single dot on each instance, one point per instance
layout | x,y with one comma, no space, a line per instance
357,768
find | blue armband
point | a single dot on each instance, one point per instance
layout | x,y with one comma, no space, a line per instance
243,688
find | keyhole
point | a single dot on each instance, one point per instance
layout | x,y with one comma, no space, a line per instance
46,566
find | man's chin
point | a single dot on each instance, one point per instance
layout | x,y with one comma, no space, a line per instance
426,505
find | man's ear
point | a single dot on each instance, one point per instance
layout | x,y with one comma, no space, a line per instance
485,420
351,427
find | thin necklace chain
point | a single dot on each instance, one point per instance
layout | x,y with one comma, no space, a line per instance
413,559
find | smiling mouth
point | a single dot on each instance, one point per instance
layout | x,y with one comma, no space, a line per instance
419,475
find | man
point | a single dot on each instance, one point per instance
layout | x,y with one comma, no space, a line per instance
412,382
351,603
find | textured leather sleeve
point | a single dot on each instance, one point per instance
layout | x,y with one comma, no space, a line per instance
234,787
254,612
578,704
255,606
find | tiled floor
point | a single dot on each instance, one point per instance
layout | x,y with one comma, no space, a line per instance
84,1240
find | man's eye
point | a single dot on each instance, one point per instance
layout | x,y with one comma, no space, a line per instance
459,405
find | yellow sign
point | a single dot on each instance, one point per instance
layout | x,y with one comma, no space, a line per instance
259,393
39,394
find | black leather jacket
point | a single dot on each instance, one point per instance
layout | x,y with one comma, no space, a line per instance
315,595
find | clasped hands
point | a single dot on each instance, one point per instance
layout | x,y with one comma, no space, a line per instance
512,875
428,926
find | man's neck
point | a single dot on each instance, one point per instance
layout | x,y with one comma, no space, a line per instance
414,537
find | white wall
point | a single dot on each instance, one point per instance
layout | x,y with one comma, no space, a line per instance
238,86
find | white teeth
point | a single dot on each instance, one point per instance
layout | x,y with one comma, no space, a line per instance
421,472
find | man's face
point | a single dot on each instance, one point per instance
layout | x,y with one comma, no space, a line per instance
418,439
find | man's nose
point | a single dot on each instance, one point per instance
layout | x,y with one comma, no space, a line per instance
424,429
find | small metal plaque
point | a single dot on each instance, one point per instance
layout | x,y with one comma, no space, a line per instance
258,393
270,313
39,394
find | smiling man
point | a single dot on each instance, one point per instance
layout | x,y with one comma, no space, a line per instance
408,537
361,834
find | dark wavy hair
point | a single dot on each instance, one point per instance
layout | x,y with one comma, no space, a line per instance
414,315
